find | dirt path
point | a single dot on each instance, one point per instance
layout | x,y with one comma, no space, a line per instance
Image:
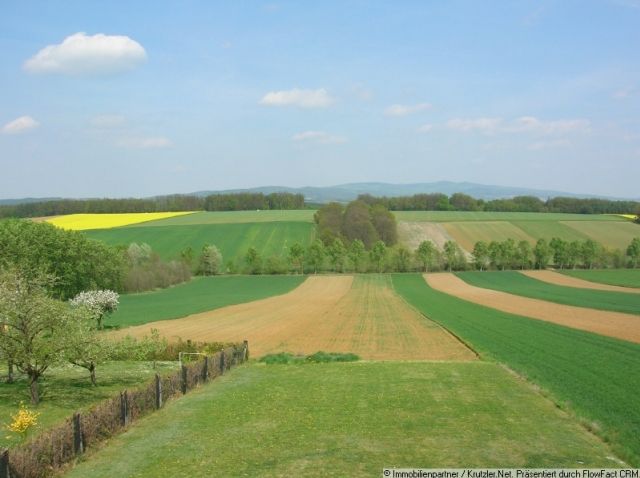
568,281
611,324
330,313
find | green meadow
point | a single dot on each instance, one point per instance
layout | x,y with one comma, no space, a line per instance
350,419
515,283
620,277
595,377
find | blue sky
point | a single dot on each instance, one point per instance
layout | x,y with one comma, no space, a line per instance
124,99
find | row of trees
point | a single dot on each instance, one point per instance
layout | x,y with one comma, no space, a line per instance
464,202
357,221
214,202
497,255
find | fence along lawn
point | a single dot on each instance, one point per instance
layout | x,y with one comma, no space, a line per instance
199,295
513,282
350,419
596,377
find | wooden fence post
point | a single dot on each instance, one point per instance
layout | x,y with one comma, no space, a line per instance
205,369
183,379
4,464
222,364
124,409
78,442
246,350
158,392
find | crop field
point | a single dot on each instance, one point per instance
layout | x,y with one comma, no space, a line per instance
610,324
596,377
618,234
466,234
297,420
619,277
236,217
329,313
68,389
482,216
198,295
557,278
233,240
82,222
516,283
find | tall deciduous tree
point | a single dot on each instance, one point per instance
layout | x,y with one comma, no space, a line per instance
316,255
253,261
633,252
337,253
99,302
356,254
378,254
542,253
426,254
210,260
481,255
296,256
403,259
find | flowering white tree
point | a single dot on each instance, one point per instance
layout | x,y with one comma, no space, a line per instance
99,302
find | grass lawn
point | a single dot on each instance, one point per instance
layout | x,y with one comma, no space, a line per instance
233,240
231,217
620,277
515,283
597,377
349,419
67,389
199,295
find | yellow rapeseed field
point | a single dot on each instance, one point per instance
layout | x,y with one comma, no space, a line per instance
81,222
628,216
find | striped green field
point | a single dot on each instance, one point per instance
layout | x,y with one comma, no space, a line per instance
620,277
233,240
616,234
199,295
232,217
349,419
515,283
595,377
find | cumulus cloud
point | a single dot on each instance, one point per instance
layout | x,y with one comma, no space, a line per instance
484,125
82,54
20,125
157,142
318,137
405,110
319,98
524,124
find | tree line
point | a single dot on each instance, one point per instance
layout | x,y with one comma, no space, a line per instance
464,202
172,203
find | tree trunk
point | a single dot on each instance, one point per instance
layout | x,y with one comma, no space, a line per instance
10,371
92,373
33,387
100,322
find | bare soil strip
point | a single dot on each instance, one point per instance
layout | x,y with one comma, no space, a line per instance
329,313
612,324
568,281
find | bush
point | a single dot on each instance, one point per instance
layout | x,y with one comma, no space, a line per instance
318,357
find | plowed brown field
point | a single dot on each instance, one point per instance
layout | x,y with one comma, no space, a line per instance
330,313
568,281
612,324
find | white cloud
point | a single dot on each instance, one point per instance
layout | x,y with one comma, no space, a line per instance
157,142
425,128
20,125
524,124
405,110
81,54
558,143
108,121
319,98
318,137
484,125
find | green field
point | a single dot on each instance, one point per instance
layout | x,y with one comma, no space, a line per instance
466,234
550,229
199,295
621,277
349,419
616,234
515,283
235,217
596,377
67,389
458,216
233,240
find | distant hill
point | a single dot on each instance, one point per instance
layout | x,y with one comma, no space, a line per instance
348,192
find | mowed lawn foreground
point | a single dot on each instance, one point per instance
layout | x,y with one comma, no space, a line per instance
353,419
596,377
338,313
